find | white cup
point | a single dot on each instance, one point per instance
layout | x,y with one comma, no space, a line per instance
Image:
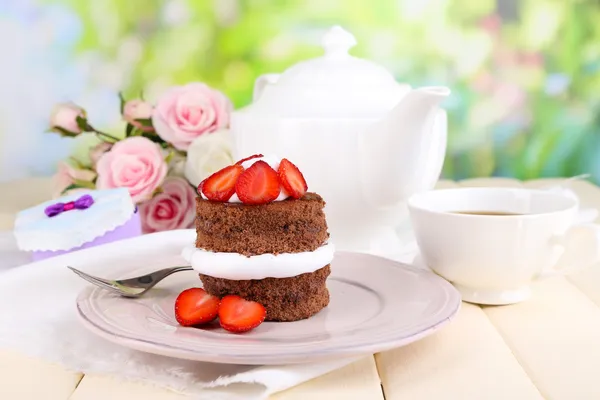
492,259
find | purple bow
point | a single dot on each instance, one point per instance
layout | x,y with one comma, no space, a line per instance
81,203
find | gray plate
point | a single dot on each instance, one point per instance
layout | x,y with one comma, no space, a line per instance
376,304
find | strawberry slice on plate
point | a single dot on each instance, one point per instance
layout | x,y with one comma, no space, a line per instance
258,184
195,307
238,315
292,179
243,160
220,186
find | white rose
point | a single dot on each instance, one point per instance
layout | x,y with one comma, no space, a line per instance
207,154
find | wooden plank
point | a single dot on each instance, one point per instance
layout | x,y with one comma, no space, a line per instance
445,185
100,387
21,194
588,281
357,381
464,360
25,378
490,182
556,337
6,221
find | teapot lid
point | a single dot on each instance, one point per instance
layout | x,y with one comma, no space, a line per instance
336,85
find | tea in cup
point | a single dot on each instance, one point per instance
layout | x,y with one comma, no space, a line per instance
492,243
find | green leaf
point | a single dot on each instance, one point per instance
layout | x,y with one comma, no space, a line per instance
78,185
145,122
122,102
169,157
83,124
137,132
155,138
62,132
158,190
105,137
77,163
84,184
70,187
129,129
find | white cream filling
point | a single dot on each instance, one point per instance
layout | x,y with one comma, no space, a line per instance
236,266
273,162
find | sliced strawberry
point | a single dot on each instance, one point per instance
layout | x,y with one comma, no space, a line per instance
220,186
292,179
195,307
249,158
239,315
258,184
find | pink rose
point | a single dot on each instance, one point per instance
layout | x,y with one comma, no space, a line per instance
186,112
135,110
64,117
136,163
67,176
173,208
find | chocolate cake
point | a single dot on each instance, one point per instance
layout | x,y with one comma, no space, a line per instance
286,299
289,226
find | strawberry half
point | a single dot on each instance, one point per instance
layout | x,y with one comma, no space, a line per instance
292,179
238,315
195,307
220,186
243,160
258,184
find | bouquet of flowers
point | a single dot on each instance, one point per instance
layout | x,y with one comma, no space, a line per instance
167,149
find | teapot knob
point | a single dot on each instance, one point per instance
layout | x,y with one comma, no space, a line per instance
337,41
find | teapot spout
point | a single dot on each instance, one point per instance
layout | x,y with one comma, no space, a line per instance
403,153
414,113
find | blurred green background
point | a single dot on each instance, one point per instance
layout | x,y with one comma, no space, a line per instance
525,74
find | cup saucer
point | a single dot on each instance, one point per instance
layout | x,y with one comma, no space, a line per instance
493,297
479,296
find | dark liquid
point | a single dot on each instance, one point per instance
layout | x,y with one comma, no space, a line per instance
497,213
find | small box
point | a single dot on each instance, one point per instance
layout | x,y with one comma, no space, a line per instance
77,221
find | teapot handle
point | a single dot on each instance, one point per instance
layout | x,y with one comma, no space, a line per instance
261,82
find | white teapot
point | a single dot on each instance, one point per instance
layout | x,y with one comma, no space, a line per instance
364,142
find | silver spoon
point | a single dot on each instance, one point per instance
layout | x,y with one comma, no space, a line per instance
133,287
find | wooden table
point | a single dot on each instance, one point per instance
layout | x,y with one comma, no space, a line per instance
547,347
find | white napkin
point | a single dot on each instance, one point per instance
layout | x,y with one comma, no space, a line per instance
37,318
10,256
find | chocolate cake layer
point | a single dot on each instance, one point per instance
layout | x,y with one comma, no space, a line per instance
285,299
288,226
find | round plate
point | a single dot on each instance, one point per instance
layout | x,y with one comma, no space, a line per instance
376,304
